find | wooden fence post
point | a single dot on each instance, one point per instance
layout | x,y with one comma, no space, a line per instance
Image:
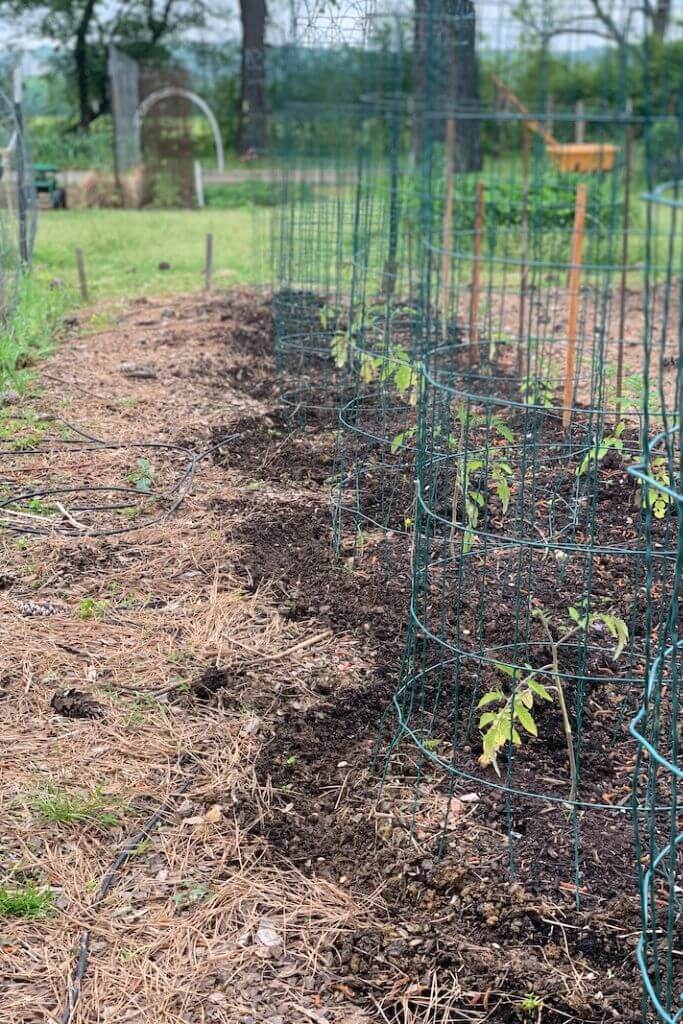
208,267
574,301
80,263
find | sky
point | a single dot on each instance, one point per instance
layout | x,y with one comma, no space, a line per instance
336,22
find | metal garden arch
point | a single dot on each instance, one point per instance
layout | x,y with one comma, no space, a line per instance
163,94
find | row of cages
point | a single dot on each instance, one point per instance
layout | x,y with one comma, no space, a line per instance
18,206
495,345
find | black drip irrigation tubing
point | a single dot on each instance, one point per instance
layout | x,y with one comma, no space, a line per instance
175,494
108,882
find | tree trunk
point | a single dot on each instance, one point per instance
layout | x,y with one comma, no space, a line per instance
661,18
251,137
447,77
85,114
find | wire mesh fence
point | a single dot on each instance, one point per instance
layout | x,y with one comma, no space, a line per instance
656,725
18,208
466,303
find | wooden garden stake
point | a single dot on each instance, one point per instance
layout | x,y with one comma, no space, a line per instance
208,268
624,261
574,301
80,263
476,266
447,237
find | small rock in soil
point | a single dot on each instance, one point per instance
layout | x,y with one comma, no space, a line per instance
251,726
268,936
186,809
10,397
136,371
73,703
39,608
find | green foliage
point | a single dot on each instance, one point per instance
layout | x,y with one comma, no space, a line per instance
39,507
615,625
90,808
253,193
550,204
537,391
658,501
92,608
500,726
400,439
143,477
530,1003
497,469
53,143
666,150
26,901
166,193
514,709
191,892
395,366
611,442
31,330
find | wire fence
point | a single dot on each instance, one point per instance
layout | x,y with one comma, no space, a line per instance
476,297
18,207
656,725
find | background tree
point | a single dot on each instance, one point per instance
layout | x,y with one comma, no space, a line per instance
83,30
544,20
251,137
446,75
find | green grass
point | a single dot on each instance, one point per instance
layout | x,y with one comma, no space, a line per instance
251,193
123,249
31,332
62,808
29,901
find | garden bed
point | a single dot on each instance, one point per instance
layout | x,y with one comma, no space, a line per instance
231,651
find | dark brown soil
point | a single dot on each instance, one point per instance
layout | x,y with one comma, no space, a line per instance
486,905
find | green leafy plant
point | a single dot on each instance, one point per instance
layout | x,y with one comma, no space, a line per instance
531,1005
658,501
92,807
143,477
537,391
340,348
92,608
493,461
500,725
611,442
395,365
400,439
39,507
26,901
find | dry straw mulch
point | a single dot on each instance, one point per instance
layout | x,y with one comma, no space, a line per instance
203,923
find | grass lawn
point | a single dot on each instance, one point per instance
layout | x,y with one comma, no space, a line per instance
123,249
